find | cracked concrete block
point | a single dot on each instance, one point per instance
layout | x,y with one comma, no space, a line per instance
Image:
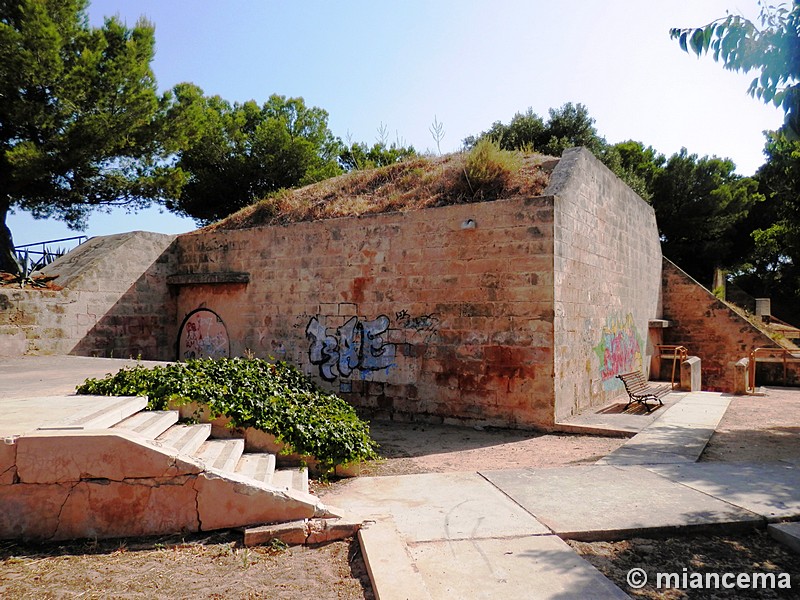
30,512
58,456
103,509
323,531
227,500
293,533
8,459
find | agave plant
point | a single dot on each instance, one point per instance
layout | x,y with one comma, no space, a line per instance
27,267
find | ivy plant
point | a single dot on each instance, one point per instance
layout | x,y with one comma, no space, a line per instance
273,397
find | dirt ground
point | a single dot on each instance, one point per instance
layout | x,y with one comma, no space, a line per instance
217,566
200,566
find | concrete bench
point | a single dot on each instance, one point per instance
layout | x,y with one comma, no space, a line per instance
639,390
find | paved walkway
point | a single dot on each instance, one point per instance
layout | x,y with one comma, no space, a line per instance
499,534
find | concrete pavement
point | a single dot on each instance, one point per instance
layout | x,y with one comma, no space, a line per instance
499,534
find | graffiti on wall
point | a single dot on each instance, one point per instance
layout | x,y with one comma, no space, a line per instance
425,325
355,346
203,335
360,347
619,350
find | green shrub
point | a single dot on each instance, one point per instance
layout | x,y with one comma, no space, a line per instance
273,397
488,168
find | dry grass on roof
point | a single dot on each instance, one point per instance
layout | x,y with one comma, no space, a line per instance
420,182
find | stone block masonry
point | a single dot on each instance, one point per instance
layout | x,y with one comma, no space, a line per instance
115,303
516,312
415,315
708,328
607,261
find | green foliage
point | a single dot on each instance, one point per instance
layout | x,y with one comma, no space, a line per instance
701,204
636,165
359,156
743,46
488,168
234,154
79,114
273,397
772,268
567,126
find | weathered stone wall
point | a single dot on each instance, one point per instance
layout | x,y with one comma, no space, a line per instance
707,327
442,314
115,302
607,264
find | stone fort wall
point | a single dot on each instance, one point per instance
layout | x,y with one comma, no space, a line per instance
115,302
607,269
517,312
445,313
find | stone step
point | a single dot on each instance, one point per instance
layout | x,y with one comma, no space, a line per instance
108,412
294,479
221,454
258,466
149,423
186,439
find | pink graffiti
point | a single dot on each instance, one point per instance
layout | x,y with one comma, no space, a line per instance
621,353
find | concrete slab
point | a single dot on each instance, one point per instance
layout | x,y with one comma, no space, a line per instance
679,435
517,568
437,506
394,574
32,376
661,444
771,490
24,415
608,502
787,534
608,420
698,409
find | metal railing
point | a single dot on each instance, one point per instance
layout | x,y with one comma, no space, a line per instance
771,355
678,354
44,250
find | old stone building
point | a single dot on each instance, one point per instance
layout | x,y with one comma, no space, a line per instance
516,312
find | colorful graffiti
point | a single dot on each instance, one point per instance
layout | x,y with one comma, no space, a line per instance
619,350
203,335
355,346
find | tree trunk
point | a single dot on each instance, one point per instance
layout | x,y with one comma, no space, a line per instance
8,262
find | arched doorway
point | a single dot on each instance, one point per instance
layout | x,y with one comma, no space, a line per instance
203,335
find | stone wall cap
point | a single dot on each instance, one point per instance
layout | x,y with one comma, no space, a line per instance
208,278
658,323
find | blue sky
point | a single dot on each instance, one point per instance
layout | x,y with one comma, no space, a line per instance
466,63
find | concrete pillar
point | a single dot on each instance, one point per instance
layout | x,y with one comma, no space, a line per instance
740,376
691,379
763,308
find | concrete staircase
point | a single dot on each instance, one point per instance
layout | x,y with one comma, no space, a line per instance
116,470
221,454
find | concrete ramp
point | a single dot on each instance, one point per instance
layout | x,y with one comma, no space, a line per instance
110,263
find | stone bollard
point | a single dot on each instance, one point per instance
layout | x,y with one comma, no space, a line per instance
741,376
691,379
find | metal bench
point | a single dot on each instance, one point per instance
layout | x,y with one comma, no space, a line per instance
639,390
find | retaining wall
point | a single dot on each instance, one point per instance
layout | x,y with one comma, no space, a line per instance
115,302
708,328
443,314
607,281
